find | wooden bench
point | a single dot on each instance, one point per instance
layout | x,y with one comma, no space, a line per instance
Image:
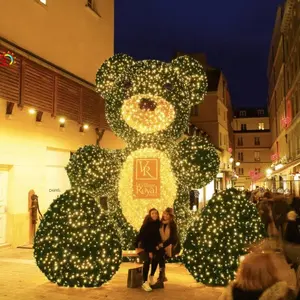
129,253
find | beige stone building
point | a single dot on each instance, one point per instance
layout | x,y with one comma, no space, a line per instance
252,138
213,117
47,100
284,99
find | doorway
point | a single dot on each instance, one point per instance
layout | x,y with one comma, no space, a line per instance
3,205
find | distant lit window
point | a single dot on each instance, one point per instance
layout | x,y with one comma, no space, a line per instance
43,2
256,156
257,141
244,127
243,113
261,126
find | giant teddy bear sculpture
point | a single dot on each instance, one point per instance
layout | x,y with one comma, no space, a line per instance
147,104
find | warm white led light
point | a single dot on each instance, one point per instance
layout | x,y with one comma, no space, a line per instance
32,111
145,120
62,120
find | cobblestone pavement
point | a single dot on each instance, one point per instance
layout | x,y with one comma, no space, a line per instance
20,279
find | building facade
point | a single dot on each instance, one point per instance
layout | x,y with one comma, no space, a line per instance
284,99
48,104
252,138
213,118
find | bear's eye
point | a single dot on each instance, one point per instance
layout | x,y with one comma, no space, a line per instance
127,84
168,86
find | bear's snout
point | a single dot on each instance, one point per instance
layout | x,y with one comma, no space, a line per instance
147,104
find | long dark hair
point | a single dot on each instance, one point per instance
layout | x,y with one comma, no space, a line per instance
148,218
170,212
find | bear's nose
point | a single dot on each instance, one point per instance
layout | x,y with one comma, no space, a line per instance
147,104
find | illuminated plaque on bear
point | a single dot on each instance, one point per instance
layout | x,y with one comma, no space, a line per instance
146,178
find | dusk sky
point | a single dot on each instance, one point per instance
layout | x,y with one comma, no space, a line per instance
235,35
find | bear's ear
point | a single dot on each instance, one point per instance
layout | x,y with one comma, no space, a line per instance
192,74
110,70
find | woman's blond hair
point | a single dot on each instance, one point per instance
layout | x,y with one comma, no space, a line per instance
258,271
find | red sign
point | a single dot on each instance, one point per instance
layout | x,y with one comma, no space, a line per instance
7,59
146,178
275,157
254,175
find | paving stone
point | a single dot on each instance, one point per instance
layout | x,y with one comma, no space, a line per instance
21,279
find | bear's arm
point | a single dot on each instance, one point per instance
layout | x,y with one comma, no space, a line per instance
196,162
95,170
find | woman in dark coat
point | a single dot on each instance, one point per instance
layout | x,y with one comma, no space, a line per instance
147,240
169,247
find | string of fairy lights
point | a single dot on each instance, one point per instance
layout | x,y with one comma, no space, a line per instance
75,244
219,236
174,88
147,104
135,211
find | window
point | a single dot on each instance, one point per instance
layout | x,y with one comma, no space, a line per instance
90,4
261,126
241,171
256,156
243,113
260,112
243,127
256,141
240,141
241,156
195,111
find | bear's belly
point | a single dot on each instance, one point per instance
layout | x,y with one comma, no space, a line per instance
146,181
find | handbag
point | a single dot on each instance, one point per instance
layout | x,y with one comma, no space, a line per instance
135,277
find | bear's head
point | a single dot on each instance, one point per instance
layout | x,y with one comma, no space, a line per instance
150,99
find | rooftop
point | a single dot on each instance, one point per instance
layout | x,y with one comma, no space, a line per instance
251,112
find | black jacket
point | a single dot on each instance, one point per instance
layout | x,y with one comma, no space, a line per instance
292,232
149,236
173,239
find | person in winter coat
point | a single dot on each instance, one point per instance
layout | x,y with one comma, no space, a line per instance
146,242
292,235
169,247
258,278
280,208
265,212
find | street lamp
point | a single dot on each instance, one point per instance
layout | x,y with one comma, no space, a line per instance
237,163
269,172
231,160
